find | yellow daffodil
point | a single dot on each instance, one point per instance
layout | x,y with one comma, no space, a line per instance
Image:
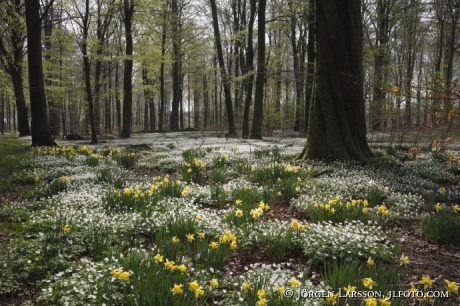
438,207
36,178
116,273
175,239
233,245
456,208
199,292
262,302
280,290
365,203
190,237
426,281
368,282
124,275
263,206
181,268
238,202
177,289
442,190
198,217
194,285
158,258
214,283
239,213
66,229
350,289
365,210
370,302
332,298
214,245
294,282
169,265
370,261
201,235
404,260
261,293
382,208
297,188
294,223
451,286
385,301
246,287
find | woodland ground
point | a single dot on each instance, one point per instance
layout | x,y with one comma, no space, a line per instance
54,204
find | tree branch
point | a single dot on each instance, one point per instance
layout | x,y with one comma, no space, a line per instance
47,8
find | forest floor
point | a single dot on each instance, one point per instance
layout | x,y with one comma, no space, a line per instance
70,217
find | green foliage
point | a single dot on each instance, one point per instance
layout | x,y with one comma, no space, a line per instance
218,195
127,161
341,274
442,227
94,160
218,175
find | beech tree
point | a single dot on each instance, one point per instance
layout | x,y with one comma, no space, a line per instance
41,132
337,128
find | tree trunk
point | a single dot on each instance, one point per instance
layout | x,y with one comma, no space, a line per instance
87,72
117,97
223,72
248,71
337,129
256,131
53,104
162,76
311,53
128,9
41,133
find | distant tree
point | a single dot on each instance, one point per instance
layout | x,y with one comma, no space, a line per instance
256,131
41,132
12,55
223,72
337,127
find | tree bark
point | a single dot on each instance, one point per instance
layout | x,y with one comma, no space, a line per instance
337,129
248,70
223,72
87,72
311,53
128,9
41,133
256,131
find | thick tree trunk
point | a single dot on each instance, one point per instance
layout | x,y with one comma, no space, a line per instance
41,133
128,9
311,53
256,131
337,129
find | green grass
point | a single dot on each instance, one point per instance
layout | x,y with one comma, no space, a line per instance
12,152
